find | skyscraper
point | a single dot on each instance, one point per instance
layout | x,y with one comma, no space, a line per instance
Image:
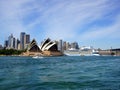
60,45
64,45
11,42
17,42
22,40
16,45
74,45
26,40
1,46
68,46
6,43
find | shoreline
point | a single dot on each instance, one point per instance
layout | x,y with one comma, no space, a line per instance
53,55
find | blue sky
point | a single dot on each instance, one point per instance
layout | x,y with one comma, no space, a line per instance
89,22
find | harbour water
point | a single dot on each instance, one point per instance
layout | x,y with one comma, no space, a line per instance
60,73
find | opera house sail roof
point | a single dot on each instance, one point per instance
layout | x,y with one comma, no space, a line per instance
45,42
47,45
33,47
47,48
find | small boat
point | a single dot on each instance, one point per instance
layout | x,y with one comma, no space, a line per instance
95,53
37,57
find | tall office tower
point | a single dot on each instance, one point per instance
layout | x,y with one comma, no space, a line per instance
1,46
60,45
22,40
18,46
10,41
16,43
13,43
6,44
64,45
68,46
74,45
26,40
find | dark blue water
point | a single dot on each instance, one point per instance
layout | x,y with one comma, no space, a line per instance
60,73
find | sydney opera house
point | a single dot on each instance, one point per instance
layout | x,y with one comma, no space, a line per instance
47,48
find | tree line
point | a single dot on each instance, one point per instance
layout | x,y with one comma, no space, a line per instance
11,52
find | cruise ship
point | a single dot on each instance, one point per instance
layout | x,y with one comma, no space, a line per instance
72,52
81,52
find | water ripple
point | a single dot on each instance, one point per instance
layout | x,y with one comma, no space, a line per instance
60,73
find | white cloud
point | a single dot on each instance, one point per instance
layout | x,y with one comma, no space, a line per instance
61,19
111,31
12,15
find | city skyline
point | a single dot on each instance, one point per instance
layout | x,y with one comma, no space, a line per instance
17,43
24,41
89,22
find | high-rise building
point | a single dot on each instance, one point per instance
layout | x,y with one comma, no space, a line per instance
10,42
74,45
18,46
60,45
6,43
17,42
22,40
27,38
26,41
1,46
64,45
68,46
13,42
